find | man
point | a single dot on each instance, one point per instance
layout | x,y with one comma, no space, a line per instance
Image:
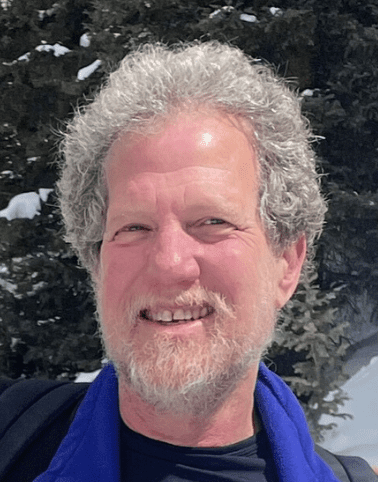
189,192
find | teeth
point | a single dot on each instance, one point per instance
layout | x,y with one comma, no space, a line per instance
166,316
179,315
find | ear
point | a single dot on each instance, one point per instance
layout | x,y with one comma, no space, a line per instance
291,262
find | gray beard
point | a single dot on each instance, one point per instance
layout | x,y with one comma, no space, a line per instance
164,378
183,376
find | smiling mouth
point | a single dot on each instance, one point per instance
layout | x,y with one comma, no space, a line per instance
177,316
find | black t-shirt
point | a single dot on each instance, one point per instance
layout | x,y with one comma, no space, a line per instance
147,460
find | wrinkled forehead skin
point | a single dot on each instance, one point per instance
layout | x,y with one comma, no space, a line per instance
164,128
181,128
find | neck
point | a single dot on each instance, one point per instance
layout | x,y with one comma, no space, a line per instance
232,422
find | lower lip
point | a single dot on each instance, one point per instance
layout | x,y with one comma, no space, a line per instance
186,328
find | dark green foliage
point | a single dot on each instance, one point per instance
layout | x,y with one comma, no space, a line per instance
36,94
47,318
308,352
47,323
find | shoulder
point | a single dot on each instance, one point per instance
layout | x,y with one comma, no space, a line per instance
34,417
6,383
348,468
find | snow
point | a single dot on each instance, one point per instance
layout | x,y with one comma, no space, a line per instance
56,48
86,377
25,205
87,71
358,436
218,13
248,18
85,41
44,193
215,13
275,11
24,57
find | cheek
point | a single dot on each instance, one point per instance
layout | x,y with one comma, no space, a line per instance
241,272
225,269
118,270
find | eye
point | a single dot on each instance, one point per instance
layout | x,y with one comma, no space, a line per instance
213,228
214,221
131,233
214,225
135,227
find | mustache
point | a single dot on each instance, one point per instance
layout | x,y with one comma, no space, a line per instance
194,296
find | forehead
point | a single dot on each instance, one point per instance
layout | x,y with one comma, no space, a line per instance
187,140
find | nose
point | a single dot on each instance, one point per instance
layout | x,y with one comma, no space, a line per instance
174,257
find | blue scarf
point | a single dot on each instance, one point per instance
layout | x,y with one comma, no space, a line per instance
90,450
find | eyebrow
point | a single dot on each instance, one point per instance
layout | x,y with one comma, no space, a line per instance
218,208
126,214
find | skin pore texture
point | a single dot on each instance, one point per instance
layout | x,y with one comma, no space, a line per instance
183,240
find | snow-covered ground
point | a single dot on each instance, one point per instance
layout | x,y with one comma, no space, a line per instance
86,377
358,436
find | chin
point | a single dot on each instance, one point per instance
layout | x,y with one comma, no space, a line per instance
185,377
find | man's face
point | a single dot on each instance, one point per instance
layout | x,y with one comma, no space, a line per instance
187,283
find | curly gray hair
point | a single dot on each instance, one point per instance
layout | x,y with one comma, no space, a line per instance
153,81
